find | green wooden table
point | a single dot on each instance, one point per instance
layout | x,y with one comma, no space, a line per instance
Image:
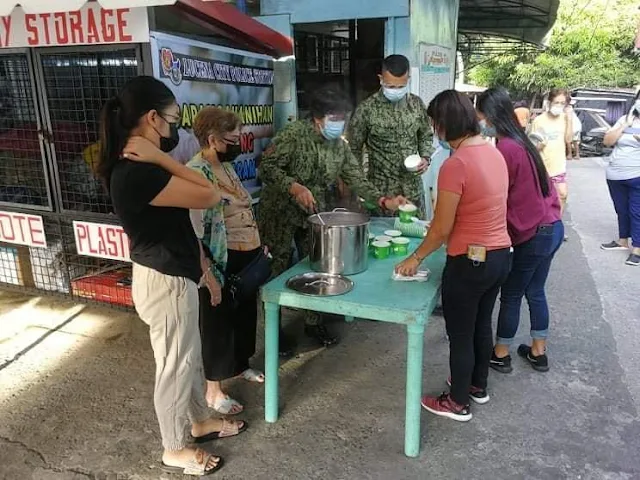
375,297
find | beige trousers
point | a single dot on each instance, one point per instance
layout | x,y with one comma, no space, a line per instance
169,305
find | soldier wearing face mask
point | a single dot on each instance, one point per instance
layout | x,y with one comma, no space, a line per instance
389,126
299,170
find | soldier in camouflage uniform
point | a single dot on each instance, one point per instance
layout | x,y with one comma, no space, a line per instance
300,170
393,124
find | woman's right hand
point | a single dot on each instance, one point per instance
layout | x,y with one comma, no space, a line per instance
139,149
215,290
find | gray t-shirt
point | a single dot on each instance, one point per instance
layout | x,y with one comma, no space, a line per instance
624,162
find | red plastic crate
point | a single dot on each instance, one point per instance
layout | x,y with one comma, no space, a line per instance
109,287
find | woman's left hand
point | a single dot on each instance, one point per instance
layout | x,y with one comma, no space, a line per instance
408,267
139,149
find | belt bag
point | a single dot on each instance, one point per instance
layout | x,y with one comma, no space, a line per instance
246,283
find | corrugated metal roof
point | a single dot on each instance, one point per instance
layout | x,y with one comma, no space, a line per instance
526,20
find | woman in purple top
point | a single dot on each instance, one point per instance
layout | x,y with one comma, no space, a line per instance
533,222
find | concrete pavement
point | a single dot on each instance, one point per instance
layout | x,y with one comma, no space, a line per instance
77,403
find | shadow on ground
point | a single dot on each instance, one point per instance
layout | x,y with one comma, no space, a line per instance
79,404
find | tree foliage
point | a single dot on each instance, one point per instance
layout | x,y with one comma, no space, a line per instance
591,45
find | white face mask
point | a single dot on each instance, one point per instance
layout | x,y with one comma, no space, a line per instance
556,110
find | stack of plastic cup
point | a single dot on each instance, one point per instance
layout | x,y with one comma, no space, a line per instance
415,230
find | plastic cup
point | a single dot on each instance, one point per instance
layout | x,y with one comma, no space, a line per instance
383,238
381,250
393,233
372,238
412,163
400,246
406,212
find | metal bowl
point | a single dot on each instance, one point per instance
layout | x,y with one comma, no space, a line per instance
320,284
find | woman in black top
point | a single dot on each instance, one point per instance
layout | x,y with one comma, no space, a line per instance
152,195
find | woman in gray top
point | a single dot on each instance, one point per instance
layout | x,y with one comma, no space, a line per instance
623,179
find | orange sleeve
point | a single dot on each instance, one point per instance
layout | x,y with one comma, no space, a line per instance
452,176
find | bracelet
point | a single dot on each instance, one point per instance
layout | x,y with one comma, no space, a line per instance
415,255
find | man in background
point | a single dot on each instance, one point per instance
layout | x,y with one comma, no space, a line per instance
389,126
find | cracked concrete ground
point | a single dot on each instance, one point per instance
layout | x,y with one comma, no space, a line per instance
77,403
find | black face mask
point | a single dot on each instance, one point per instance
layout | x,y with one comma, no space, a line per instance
233,151
169,143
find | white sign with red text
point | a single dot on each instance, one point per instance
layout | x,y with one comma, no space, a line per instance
101,240
22,229
91,25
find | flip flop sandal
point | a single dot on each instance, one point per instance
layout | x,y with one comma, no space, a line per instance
225,406
229,429
253,375
196,466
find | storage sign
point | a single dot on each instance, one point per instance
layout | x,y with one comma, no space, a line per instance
91,25
22,229
101,240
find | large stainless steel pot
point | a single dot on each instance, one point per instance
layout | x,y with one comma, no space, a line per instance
339,242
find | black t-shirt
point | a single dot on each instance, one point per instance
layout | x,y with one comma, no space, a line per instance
162,238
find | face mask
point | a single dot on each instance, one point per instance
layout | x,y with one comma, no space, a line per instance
169,143
556,110
487,131
395,94
332,129
444,144
233,151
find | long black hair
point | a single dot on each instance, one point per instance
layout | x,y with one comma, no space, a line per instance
122,113
495,104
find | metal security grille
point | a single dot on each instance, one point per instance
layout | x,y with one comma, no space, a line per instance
58,269
23,177
76,86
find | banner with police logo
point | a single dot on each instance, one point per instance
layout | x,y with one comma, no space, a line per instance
201,74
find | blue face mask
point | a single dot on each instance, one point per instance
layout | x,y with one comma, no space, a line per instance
332,129
395,94
444,144
486,130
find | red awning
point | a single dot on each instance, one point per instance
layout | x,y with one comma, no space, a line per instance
237,26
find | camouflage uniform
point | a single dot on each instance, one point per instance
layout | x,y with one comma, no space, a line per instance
300,154
391,132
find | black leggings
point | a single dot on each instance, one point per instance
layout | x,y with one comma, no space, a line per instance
469,293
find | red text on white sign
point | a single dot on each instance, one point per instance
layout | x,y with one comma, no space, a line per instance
101,240
22,229
88,26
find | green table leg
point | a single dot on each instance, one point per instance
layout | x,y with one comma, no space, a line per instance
348,319
415,344
271,322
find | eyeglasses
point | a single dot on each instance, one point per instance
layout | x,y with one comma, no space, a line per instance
231,141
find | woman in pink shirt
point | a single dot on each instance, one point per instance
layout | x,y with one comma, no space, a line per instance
471,218
533,220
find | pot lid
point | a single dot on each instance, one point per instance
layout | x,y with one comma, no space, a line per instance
320,284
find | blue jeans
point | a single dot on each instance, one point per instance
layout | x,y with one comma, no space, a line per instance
626,200
529,272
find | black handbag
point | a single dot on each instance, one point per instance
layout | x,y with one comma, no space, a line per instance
246,283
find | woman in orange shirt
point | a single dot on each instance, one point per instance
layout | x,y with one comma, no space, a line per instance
471,218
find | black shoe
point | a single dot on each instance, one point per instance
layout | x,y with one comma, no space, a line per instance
286,346
613,246
321,335
539,363
502,365
633,260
